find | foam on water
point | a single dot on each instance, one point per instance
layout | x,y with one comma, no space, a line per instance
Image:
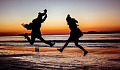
63,38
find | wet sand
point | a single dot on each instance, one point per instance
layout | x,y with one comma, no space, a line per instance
48,58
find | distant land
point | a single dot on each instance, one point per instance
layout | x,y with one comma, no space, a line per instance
89,32
95,32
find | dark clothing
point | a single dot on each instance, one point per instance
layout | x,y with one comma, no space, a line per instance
35,26
72,24
36,34
76,34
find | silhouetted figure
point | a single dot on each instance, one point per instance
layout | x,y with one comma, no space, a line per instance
35,26
75,34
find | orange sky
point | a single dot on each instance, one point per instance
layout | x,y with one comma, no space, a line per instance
91,15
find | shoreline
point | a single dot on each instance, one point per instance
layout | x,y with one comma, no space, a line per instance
96,50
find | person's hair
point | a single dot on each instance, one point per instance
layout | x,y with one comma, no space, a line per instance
39,15
68,17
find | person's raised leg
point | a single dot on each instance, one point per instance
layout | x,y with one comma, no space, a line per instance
76,43
49,43
65,45
30,41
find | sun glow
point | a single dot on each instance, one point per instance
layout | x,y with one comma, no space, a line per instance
91,15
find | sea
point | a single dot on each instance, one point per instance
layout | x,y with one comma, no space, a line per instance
87,40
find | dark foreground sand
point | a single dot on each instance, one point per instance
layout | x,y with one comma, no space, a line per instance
47,58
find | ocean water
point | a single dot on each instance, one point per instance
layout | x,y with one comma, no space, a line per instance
11,40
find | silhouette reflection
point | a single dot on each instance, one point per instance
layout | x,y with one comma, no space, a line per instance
36,49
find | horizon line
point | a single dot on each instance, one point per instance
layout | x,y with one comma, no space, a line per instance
89,32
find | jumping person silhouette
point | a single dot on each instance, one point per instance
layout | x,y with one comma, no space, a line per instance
35,26
74,34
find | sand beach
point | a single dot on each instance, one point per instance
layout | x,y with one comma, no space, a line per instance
48,58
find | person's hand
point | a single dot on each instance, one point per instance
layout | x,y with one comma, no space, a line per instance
45,11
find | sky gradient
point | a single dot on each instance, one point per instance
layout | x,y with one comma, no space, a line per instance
92,15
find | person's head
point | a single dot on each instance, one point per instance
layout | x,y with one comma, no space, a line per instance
39,14
68,17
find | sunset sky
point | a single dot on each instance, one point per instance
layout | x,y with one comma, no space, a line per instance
92,15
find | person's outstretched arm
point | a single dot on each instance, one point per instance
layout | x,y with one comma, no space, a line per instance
44,13
75,21
44,18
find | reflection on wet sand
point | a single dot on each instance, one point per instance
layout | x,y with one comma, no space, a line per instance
36,49
50,58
